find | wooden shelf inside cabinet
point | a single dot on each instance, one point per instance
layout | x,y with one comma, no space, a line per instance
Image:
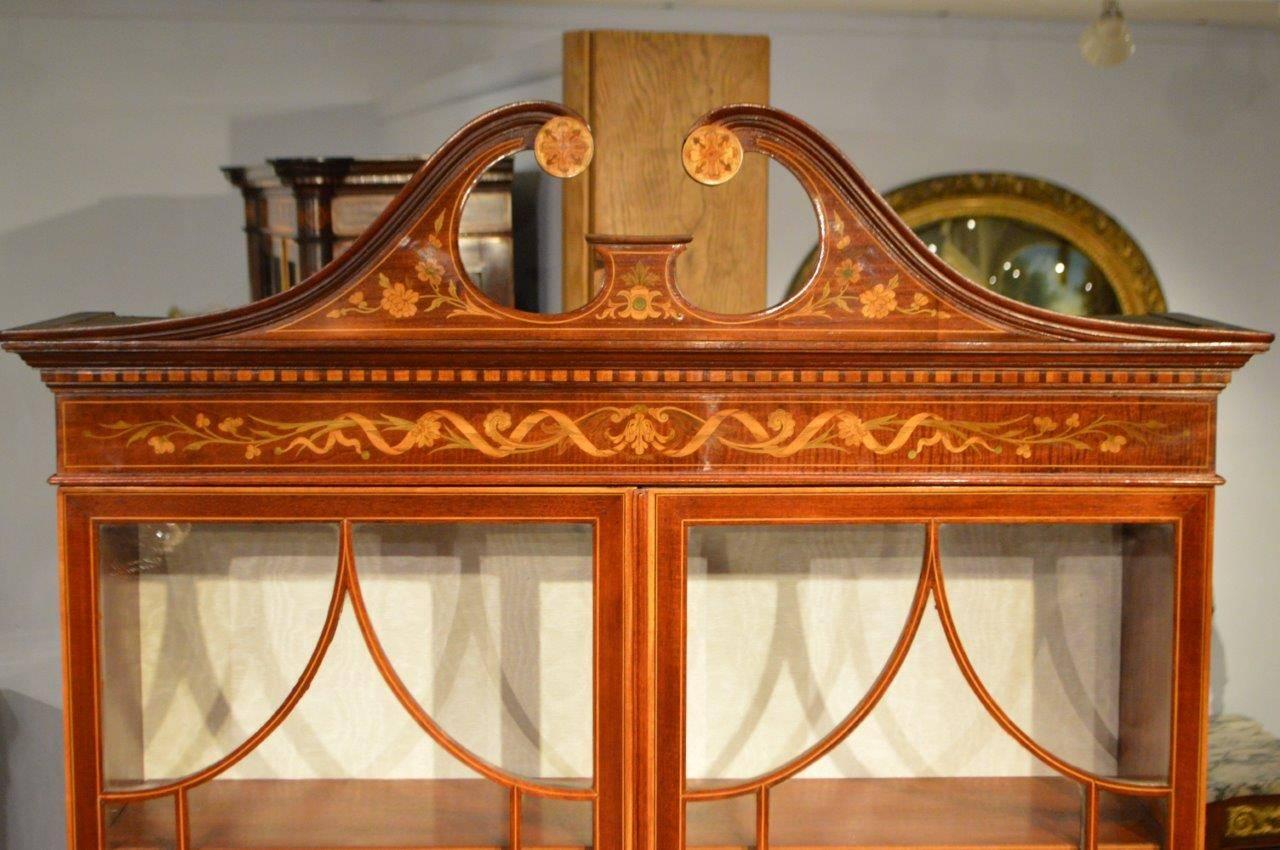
871,814
834,814
327,814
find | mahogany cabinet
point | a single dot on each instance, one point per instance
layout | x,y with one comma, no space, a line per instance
379,563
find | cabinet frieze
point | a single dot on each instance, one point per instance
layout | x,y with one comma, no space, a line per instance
756,431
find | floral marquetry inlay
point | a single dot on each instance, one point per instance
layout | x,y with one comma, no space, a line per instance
639,298
563,147
432,288
844,291
858,285
634,431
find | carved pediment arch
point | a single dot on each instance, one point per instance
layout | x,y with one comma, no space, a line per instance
877,294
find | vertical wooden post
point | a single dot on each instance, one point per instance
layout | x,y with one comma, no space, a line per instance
641,93
1193,629
514,840
762,818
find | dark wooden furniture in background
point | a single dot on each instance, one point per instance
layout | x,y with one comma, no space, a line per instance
301,212
889,434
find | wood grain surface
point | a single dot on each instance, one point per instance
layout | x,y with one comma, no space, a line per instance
849,814
641,92
892,386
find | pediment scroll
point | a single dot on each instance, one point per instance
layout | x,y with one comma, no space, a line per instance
418,280
863,280
403,281
419,284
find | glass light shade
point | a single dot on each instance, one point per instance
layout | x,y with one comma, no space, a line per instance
1107,41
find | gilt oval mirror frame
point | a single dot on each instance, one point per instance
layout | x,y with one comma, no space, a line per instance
1027,238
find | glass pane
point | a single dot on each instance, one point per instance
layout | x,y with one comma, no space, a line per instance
205,628
349,768
490,626
728,823
929,767
1070,627
929,724
1125,821
287,814
788,625
956,812
559,824
144,825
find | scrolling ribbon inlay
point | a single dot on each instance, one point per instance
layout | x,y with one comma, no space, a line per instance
636,431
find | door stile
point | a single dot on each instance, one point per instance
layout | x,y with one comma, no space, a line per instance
80,707
668,542
1193,628
612,652
641,714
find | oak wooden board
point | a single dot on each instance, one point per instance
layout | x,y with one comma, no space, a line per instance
641,92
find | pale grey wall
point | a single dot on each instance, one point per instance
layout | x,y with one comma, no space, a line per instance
114,116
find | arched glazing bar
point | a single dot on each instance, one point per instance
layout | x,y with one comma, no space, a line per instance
931,585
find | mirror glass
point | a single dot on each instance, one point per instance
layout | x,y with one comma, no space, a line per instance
1024,262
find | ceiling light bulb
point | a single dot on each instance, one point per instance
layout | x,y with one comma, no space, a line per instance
1107,41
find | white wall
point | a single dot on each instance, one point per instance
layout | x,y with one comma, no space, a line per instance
115,115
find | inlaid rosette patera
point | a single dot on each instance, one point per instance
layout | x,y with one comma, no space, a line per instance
564,146
712,154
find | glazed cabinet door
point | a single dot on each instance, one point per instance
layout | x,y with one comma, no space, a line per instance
365,669
965,668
